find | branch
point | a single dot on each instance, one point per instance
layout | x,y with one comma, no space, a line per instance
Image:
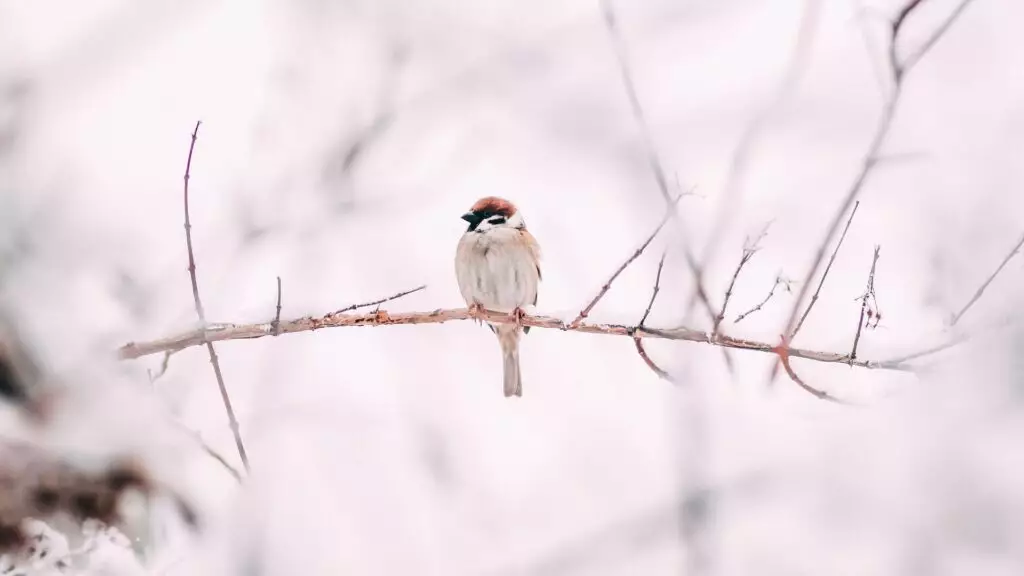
637,341
381,301
984,285
778,280
749,250
821,283
868,293
222,332
636,254
233,422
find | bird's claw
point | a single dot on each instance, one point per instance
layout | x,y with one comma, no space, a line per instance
517,316
476,312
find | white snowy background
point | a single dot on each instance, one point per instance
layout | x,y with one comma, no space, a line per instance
391,450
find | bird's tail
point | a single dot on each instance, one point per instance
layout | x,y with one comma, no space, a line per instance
508,337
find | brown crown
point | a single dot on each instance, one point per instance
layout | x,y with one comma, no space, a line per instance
494,205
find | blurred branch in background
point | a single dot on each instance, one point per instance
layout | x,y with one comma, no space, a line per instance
899,70
984,286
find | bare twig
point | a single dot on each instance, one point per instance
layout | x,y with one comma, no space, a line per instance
821,283
654,293
984,286
785,353
381,301
778,280
638,342
153,377
208,449
869,292
653,160
636,254
277,314
233,422
749,249
222,332
642,351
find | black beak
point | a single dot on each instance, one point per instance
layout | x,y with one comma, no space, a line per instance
471,217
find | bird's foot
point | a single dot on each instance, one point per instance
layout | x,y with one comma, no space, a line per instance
476,312
516,316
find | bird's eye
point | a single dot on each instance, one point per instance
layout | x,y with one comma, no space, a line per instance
497,220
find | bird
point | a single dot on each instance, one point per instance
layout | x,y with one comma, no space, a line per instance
497,265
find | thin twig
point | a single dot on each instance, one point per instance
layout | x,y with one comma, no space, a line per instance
984,286
163,368
654,293
868,293
778,280
208,449
749,249
233,422
653,160
784,353
277,315
821,283
222,332
381,301
638,342
642,351
636,254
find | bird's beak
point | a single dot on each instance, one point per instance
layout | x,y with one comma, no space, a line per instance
470,217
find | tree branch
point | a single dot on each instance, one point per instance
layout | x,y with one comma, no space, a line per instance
223,332
636,254
214,361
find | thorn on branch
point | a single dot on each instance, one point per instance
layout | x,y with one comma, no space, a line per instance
869,294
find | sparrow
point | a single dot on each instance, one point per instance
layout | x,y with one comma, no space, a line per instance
497,265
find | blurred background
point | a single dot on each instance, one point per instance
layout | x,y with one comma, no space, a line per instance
340,143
